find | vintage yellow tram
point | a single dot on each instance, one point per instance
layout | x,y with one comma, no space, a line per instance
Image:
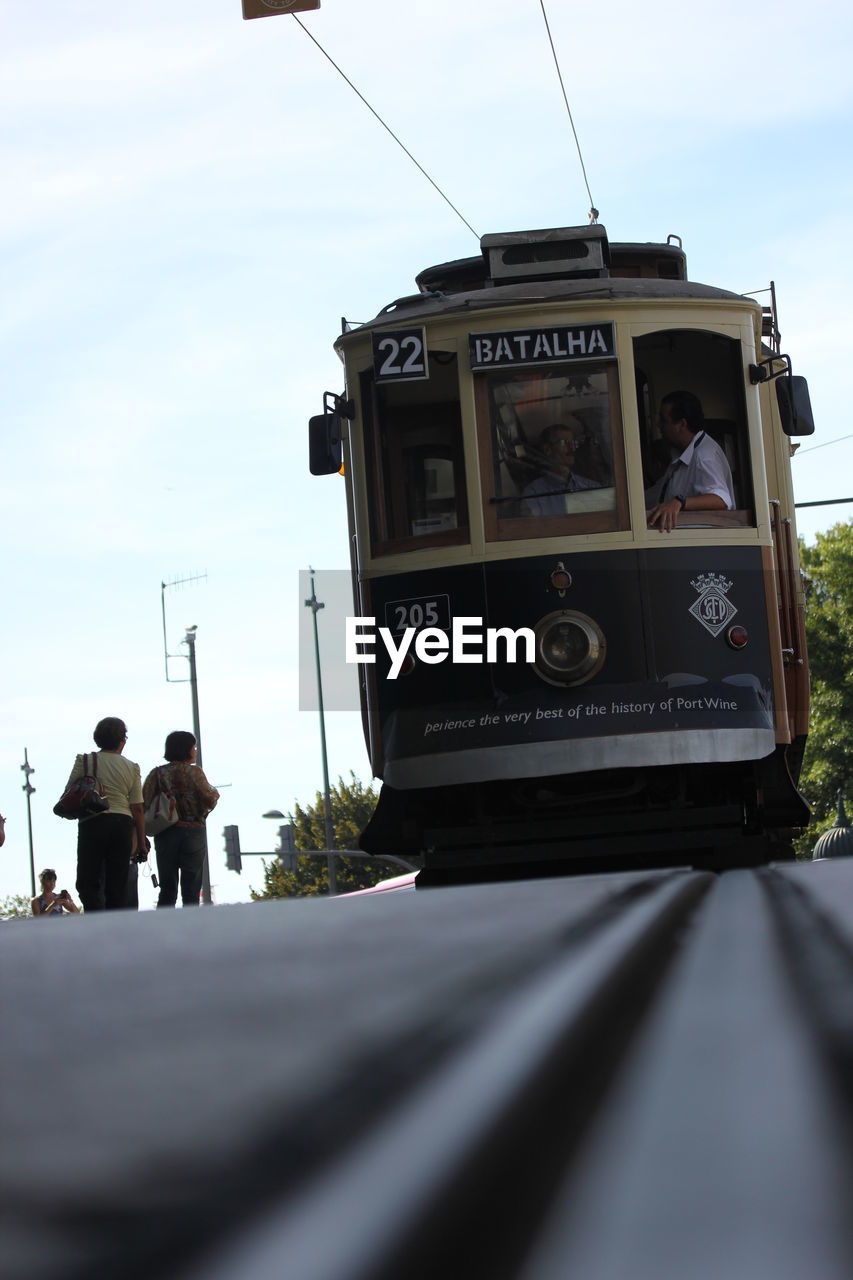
551,679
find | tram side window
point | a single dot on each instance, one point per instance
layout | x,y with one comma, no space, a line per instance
710,366
414,455
555,451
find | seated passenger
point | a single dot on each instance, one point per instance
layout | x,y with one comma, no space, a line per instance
545,496
699,477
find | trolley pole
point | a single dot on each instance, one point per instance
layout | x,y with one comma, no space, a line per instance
189,641
315,606
27,768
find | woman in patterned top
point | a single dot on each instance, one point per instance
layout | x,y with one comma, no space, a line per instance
180,848
49,902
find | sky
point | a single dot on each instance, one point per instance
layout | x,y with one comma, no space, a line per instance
191,202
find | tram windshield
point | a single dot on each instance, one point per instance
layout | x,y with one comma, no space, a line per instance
555,446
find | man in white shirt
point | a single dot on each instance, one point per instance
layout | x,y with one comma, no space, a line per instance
699,478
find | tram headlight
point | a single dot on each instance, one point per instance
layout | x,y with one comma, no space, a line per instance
570,647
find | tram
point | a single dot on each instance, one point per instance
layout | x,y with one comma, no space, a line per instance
552,682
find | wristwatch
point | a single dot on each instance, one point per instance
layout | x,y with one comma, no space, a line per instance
683,501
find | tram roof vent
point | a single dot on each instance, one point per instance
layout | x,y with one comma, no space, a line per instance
574,252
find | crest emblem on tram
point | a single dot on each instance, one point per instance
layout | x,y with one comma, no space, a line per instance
713,609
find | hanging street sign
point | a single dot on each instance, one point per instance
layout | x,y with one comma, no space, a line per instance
266,8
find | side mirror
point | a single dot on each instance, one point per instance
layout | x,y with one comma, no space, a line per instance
325,452
795,408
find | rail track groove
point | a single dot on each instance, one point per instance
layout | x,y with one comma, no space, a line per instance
617,1076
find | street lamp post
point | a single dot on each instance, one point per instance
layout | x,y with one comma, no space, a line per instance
315,606
27,768
189,641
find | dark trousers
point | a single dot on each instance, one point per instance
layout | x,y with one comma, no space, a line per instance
103,855
180,852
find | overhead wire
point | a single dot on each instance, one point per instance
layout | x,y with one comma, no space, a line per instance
825,502
385,126
593,212
824,445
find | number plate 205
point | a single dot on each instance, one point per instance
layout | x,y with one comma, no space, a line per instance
424,611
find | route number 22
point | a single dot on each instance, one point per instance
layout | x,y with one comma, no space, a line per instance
400,354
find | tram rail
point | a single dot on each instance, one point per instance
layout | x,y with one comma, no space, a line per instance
642,1075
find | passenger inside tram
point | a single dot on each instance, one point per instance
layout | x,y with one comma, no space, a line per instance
551,444
699,477
556,454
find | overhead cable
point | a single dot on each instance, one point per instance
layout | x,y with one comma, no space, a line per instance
385,126
593,212
825,445
826,502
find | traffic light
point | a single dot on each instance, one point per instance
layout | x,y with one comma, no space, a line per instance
287,847
233,861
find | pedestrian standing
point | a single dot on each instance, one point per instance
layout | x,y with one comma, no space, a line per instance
105,840
181,848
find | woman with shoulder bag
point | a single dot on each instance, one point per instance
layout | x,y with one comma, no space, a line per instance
104,840
181,847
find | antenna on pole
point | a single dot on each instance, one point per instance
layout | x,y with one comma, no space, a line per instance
164,587
189,641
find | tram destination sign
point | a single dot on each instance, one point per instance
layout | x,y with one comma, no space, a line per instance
543,345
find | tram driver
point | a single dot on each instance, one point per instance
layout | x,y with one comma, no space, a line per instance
557,446
699,477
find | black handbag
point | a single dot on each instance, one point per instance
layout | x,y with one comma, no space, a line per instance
84,796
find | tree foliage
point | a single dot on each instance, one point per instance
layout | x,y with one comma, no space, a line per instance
828,764
352,805
15,907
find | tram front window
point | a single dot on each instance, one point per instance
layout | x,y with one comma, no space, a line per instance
555,444
413,448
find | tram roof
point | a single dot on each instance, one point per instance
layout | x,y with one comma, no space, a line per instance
560,264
